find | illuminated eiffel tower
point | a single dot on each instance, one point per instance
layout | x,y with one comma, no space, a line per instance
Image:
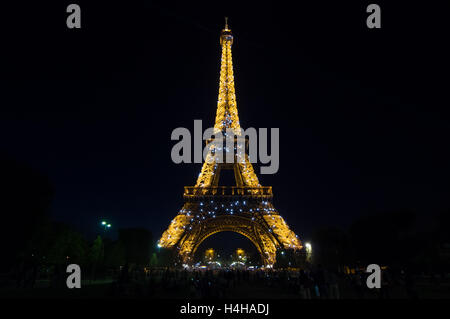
245,208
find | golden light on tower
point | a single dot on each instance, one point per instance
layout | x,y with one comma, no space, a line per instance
240,255
246,208
210,254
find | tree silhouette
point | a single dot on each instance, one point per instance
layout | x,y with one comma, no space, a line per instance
383,238
115,254
138,245
26,198
332,247
96,255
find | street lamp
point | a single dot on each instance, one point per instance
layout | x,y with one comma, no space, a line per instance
105,224
308,247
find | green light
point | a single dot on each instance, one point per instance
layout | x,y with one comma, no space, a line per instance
103,223
109,225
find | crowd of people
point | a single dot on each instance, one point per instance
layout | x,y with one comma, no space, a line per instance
316,283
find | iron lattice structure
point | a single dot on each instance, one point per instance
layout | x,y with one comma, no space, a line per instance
246,208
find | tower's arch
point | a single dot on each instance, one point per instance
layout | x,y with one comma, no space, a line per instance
226,243
258,234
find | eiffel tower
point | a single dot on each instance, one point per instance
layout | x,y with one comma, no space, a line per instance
245,208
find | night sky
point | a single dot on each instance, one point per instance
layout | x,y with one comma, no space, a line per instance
363,114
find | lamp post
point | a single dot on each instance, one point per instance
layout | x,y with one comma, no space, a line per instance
105,225
308,248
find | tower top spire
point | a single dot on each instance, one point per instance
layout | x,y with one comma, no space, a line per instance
227,114
226,34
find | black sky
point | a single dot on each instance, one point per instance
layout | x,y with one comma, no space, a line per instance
363,114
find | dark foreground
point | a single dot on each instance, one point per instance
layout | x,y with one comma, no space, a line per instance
170,284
